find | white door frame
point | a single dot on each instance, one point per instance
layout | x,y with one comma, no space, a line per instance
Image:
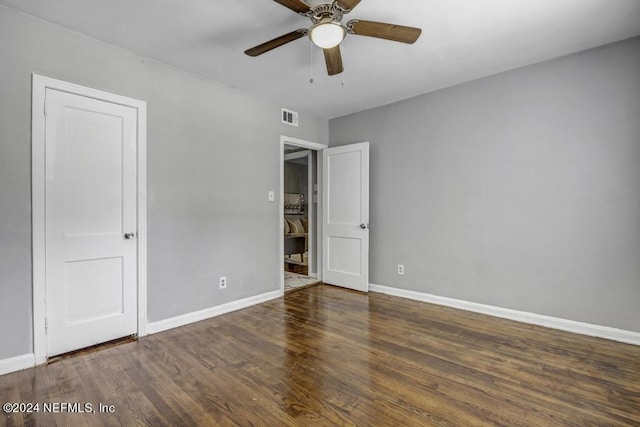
307,154
40,85
287,140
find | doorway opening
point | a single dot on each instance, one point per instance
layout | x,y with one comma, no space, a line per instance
300,213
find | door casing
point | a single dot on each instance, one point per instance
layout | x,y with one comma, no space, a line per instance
39,86
287,140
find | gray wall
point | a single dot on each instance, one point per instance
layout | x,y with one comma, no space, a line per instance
207,216
296,177
521,190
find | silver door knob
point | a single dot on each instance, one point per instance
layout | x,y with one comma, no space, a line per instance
129,235
363,226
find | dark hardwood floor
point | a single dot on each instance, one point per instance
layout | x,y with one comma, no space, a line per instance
327,356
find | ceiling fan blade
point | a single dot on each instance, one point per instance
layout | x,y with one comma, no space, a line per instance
347,4
333,58
295,5
382,30
277,42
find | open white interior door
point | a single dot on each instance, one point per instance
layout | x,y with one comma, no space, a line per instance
91,264
345,216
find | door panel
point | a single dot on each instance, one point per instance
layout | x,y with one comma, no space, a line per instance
90,202
93,178
344,255
90,300
345,188
345,210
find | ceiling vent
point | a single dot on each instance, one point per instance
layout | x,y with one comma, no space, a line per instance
289,117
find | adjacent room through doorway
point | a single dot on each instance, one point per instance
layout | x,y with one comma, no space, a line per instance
300,216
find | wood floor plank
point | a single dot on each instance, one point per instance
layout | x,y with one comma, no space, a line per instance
329,356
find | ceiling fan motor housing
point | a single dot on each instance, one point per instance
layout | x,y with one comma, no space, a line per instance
324,11
314,3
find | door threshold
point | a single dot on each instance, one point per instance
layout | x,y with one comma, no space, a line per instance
93,348
298,288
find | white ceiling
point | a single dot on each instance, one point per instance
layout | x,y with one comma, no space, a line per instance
461,40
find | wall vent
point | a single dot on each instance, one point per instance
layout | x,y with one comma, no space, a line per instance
289,117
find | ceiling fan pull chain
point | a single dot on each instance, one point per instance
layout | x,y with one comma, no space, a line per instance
311,62
343,51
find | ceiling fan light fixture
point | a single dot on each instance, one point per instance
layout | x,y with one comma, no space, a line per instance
327,34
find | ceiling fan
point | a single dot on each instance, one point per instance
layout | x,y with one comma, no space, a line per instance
327,30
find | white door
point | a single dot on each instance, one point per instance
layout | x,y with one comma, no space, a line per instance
90,217
345,212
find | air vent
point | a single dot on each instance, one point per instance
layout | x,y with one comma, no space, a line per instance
289,117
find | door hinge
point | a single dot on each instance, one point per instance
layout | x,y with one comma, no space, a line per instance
45,107
46,326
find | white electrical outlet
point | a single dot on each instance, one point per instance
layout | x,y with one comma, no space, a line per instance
400,269
223,282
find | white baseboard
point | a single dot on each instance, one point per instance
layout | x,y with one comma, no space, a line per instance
207,313
607,332
17,363
26,361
